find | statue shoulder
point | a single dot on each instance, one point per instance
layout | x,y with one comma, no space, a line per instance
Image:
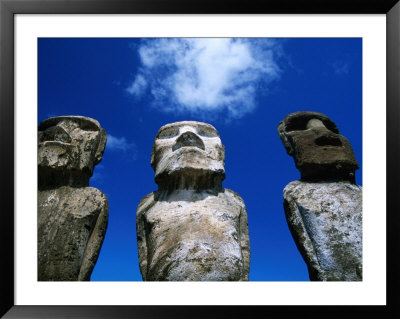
91,198
95,195
145,203
234,197
80,202
95,192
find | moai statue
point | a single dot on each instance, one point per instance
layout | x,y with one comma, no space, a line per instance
324,208
72,217
191,228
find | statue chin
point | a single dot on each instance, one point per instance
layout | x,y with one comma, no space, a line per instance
187,163
190,177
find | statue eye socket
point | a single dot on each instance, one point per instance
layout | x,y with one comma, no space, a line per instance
305,124
168,133
206,132
54,133
297,126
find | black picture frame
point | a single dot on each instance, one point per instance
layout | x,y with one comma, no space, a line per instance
8,8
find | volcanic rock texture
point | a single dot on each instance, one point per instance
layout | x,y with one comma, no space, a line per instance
326,222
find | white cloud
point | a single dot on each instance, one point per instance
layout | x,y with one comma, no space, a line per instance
120,144
205,75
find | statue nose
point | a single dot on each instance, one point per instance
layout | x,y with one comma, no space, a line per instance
324,135
188,139
328,139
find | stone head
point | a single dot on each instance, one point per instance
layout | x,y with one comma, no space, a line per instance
187,147
70,143
319,151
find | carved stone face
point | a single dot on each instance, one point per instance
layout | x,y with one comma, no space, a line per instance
319,151
187,146
71,143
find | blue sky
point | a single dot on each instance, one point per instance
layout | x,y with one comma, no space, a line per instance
243,87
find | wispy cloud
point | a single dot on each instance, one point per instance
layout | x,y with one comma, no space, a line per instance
138,85
341,67
205,76
121,144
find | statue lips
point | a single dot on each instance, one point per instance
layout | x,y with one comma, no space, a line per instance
56,144
188,139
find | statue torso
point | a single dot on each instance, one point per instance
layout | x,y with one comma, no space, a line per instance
192,236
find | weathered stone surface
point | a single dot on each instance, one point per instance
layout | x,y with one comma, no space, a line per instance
191,229
319,151
191,235
71,227
326,222
72,217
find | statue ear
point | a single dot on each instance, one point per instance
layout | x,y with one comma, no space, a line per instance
101,146
152,158
284,139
